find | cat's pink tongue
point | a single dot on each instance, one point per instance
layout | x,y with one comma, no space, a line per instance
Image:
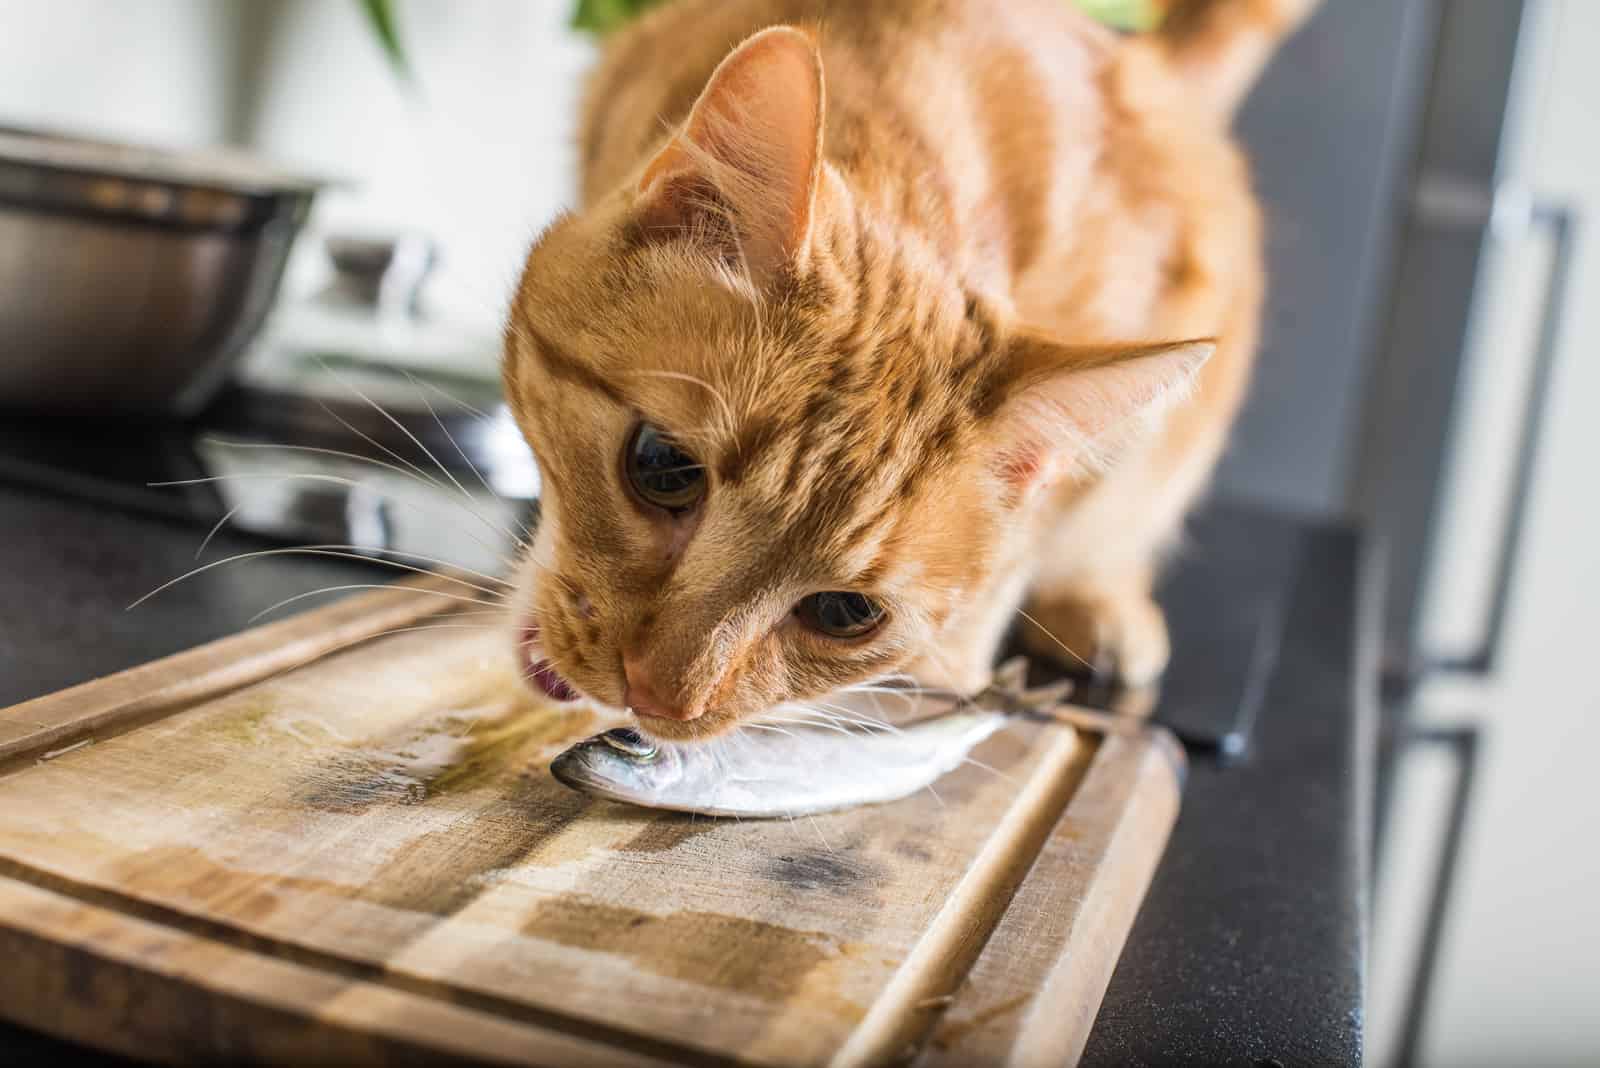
550,683
540,672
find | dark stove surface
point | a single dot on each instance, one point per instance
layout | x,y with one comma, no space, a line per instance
109,461
418,471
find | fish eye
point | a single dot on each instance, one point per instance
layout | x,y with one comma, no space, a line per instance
630,742
661,473
840,614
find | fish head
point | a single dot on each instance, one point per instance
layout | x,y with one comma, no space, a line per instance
620,764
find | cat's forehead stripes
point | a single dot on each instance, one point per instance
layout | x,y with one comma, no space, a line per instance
569,370
896,379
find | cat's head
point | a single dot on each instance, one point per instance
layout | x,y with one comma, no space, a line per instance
784,449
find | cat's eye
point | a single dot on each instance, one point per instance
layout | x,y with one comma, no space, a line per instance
840,615
661,473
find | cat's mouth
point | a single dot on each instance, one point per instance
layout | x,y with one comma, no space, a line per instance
539,672
700,729
542,676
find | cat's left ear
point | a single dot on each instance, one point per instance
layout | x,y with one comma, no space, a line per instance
1071,410
745,166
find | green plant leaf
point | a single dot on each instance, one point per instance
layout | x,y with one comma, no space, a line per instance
381,17
600,17
1137,15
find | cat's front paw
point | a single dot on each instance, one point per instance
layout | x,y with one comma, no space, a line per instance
1110,637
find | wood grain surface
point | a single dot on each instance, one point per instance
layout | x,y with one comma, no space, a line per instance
321,841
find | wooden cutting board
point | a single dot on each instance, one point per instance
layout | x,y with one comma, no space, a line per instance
335,839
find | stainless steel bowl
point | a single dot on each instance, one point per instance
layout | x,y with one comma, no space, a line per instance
133,279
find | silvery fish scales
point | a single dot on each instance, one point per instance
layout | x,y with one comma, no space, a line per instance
767,774
805,770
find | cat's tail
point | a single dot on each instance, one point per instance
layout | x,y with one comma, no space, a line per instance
1217,48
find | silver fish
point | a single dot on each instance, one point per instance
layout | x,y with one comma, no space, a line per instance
798,772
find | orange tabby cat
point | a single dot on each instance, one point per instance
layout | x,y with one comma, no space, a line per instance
879,317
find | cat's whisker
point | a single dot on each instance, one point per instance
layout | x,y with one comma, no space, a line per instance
877,706
398,425
317,476
731,423
718,752
811,715
342,454
908,699
545,572
677,470
423,397
381,410
1048,634
419,472
496,618
854,718
855,714
812,724
991,769
361,638
522,534
806,709
337,552
505,585
708,437
933,653
451,397
818,828
837,713
215,527
826,725
523,541
769,727
356,586
412,474
868,687
408,464
430,626
898,684
868,726
906,692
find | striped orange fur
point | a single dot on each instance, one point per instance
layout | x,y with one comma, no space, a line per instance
953,300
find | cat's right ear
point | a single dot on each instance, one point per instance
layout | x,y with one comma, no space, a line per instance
743,170
1070,410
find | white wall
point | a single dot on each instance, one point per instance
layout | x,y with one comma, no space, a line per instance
480,156
152,70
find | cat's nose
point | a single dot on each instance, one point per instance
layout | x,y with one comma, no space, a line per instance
642,696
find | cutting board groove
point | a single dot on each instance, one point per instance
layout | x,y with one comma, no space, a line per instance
325,837
93,711
331,964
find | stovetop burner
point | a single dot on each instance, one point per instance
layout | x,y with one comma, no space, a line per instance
310,454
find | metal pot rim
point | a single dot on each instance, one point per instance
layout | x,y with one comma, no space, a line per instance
223,170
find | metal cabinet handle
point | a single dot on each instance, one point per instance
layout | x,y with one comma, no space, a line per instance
1511,211
1560,222
1463,744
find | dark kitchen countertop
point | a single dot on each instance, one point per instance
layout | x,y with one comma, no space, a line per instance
1250,946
